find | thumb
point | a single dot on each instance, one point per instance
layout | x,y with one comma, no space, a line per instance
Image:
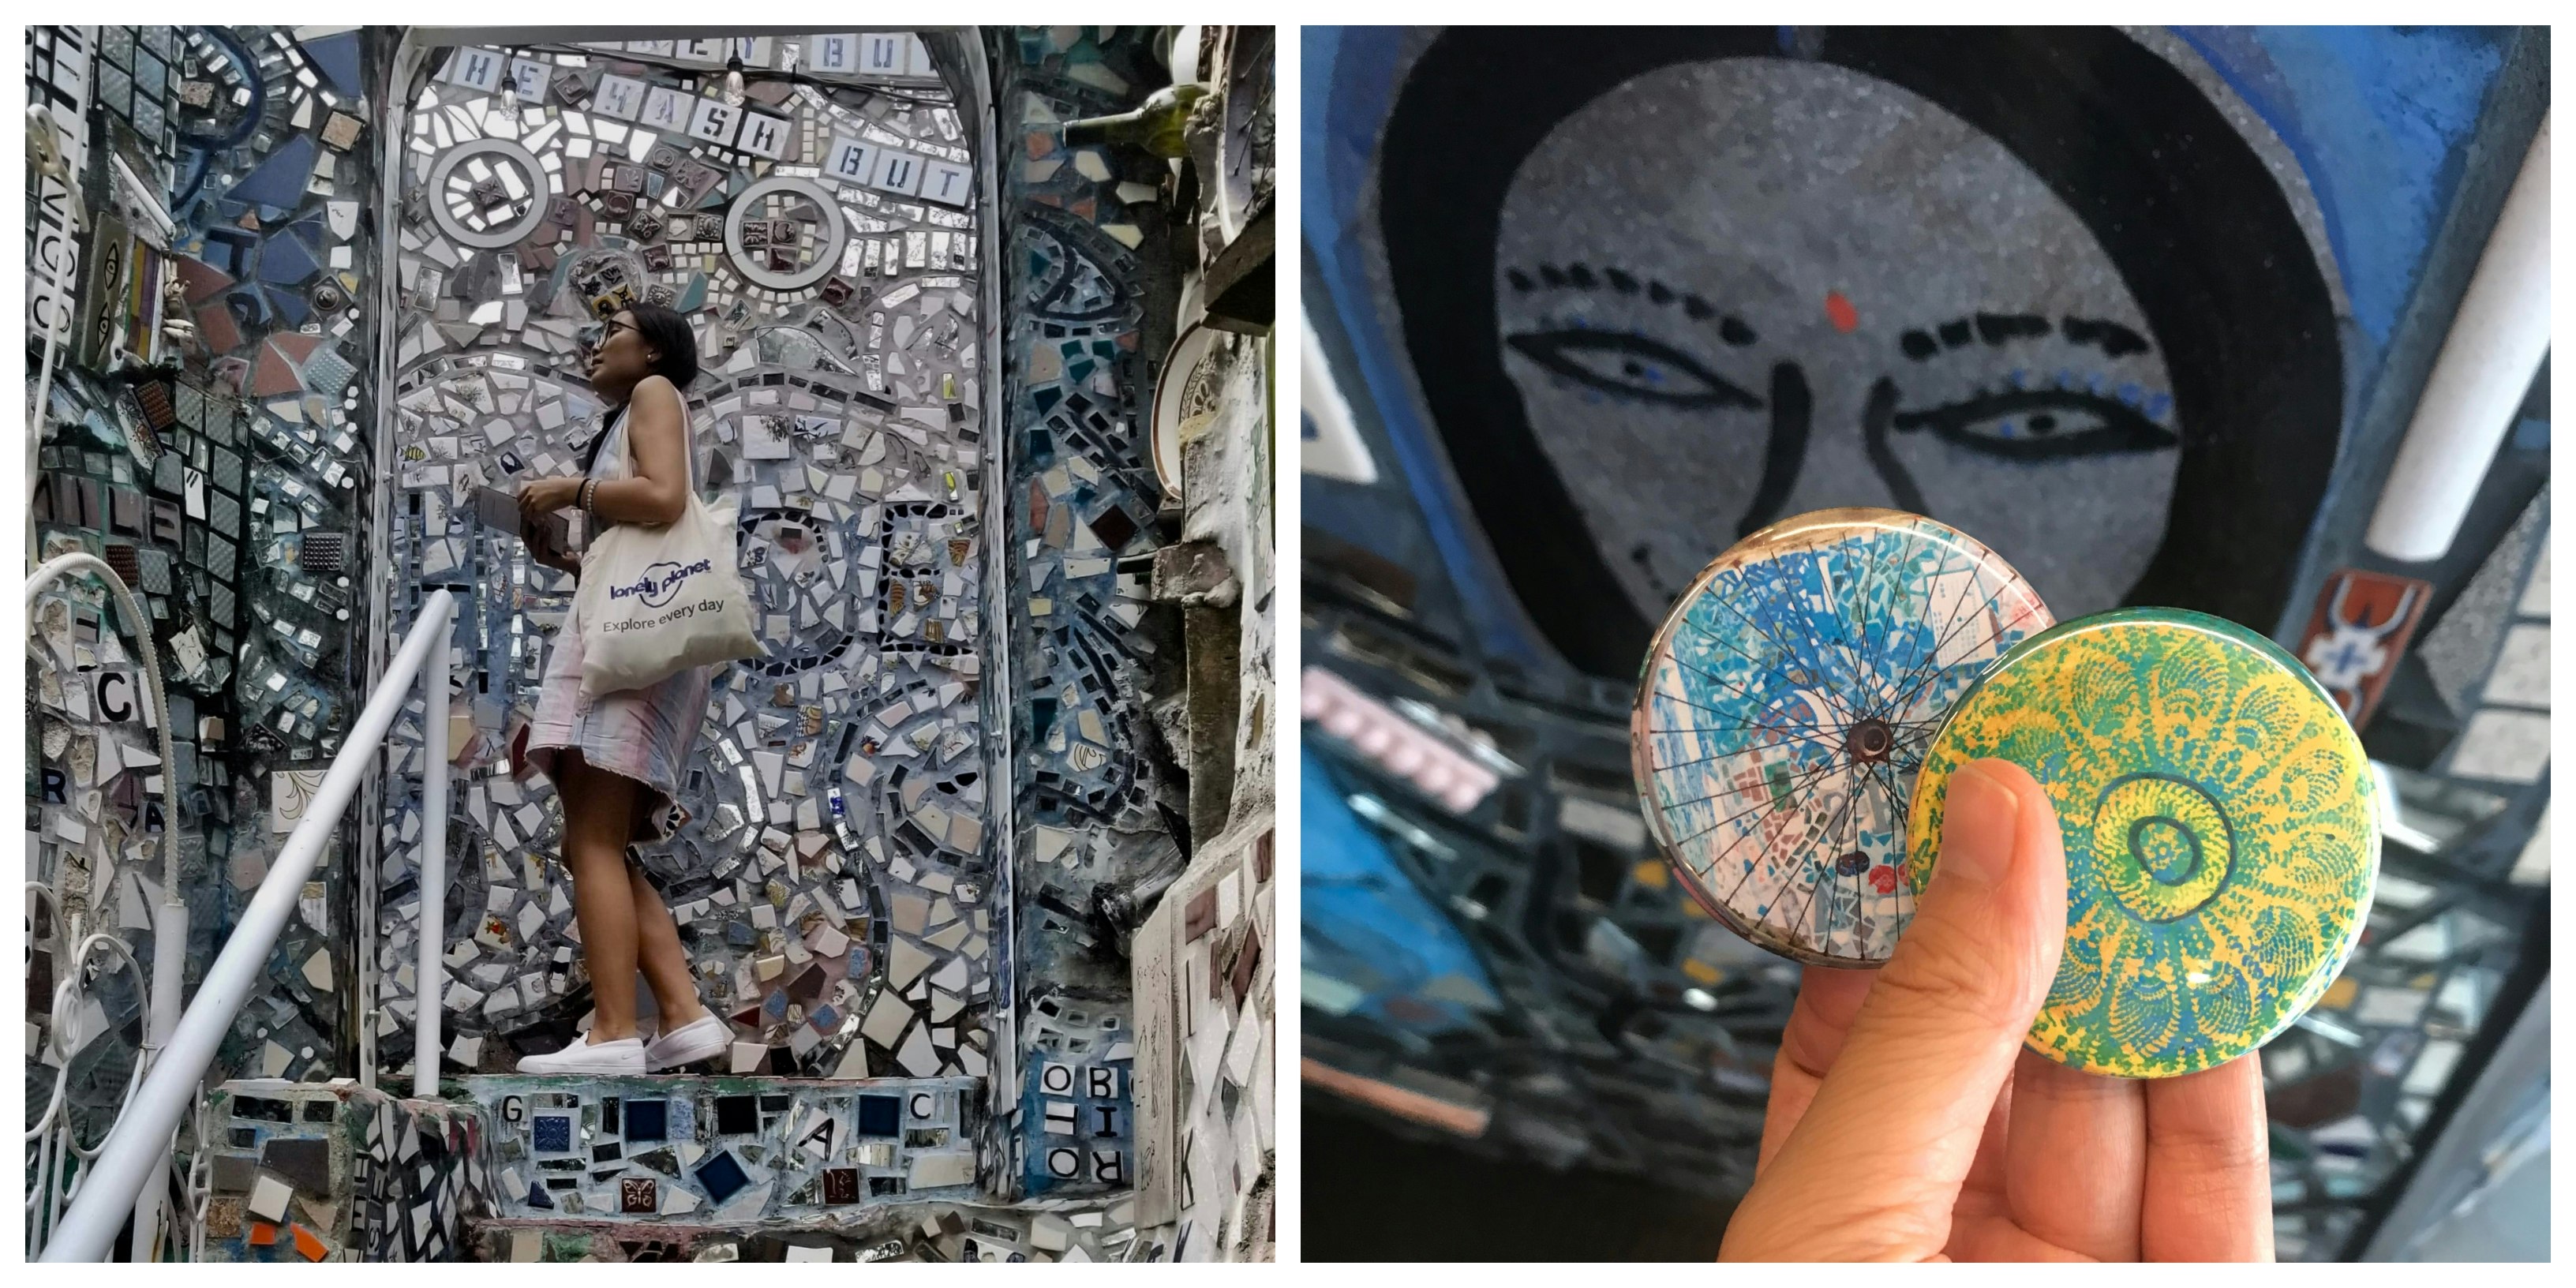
1875,1166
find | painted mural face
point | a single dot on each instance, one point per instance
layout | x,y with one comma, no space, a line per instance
1737,290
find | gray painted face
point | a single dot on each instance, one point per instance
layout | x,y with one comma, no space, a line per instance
1724,272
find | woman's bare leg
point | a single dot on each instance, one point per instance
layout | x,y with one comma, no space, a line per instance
599,810
666,964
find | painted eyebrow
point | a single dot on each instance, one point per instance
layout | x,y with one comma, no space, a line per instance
1999,329
1579,276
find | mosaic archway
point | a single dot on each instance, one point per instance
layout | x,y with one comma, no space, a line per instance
829,874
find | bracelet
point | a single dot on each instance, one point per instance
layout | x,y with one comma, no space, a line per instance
588,487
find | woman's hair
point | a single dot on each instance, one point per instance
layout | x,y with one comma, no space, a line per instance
669,335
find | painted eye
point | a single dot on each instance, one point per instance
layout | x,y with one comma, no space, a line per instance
1631,366
2041,425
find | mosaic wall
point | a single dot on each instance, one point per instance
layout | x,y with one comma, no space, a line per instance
207,442
921,1232
1205,963
830,863
828,872
1205,960
1098,810
273,169
2456,918
60,70
294,1172
725,1151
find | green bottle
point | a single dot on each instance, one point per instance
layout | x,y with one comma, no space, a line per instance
1155,125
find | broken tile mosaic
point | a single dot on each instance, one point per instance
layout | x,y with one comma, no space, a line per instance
838,779
837,869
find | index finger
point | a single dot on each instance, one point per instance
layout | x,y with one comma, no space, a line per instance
1818,1022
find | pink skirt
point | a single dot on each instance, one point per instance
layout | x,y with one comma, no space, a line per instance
643,734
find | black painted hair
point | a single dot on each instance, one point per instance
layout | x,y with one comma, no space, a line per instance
669,335
2200,230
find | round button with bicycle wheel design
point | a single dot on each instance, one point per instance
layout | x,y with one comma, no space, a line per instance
1784,707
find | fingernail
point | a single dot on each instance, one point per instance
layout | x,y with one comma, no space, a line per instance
1977,830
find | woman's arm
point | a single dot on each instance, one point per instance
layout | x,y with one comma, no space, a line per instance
657,432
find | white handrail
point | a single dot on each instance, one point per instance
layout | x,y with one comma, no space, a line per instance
2497,339
428,998
139,1146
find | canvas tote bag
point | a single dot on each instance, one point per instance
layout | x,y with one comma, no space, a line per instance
654,601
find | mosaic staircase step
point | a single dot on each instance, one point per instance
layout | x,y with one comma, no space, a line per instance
736,1152
304,1171
887,1232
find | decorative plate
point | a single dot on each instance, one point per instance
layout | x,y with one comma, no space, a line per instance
1186,390
2220,825
1784,707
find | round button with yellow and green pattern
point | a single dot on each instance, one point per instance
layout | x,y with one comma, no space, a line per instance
1785,703
2220,830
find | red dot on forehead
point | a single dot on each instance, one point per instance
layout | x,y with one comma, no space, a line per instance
1840,312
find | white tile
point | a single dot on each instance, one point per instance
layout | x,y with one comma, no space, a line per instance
268,1197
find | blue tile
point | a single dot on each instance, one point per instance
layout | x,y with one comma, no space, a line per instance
552,1133
647,1119
722,1177
285,259
280,180
290,306
336,57
880,1115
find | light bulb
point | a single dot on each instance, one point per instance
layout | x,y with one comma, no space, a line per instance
733,83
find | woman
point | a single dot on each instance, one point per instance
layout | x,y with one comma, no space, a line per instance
616,758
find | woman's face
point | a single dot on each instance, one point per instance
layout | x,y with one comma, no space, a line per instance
621,358
1735,291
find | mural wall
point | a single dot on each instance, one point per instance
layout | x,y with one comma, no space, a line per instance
829,871
875,892
2303,156
212,433
1100,818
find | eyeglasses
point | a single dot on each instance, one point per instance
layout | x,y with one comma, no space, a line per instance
597,335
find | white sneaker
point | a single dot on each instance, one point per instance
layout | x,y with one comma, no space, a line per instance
700,1039
624,1056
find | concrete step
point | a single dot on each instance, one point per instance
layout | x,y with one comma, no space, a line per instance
305,1171
724,1152
887,1232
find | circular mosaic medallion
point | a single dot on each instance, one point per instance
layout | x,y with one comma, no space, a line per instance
487,193
2221,839
1784,707
784,233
